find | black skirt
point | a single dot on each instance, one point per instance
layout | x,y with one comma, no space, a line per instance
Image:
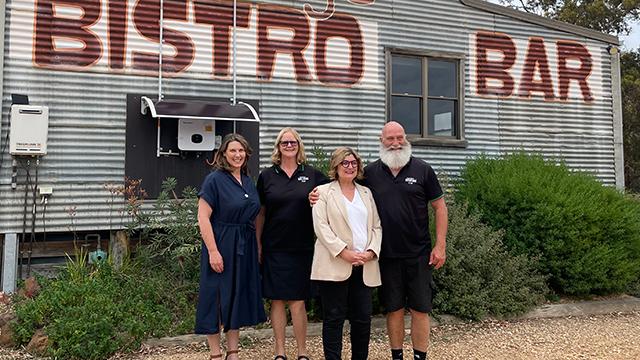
286,275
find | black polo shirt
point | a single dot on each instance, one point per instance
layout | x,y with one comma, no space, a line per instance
288,225
403,203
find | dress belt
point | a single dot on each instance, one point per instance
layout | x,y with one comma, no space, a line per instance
242,240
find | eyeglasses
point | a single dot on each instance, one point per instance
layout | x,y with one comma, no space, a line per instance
345,163
292,143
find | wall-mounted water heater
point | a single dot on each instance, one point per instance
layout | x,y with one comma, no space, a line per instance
29,130
196,134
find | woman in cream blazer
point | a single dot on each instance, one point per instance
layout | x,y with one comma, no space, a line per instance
345,259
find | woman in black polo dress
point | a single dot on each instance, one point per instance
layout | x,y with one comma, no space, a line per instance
285,230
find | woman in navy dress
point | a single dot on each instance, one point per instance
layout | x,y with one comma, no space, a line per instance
230,295
285,230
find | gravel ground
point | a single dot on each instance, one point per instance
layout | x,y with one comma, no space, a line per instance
610,337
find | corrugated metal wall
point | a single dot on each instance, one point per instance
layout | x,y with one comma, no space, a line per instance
87,108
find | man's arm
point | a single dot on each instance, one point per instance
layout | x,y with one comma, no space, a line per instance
439,251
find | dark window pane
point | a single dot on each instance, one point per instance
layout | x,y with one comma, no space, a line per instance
443,78
406,74
442,117
406,111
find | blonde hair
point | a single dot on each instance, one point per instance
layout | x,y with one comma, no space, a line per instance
276,155
220,161
338,156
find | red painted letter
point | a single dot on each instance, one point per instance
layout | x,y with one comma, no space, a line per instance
347,27
146,17
536,58
117,33
48,27
273,17
572,50
220,16
497,70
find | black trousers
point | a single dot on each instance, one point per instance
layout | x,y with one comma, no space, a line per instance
341,300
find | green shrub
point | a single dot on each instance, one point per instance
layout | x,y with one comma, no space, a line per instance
634,288
480,276
91,312
171,228
587,235
320,159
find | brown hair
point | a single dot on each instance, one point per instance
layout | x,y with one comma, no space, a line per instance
220,161
336,158
276,155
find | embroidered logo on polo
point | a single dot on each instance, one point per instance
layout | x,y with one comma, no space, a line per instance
410,180
303,179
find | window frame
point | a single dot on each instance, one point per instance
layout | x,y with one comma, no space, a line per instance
424,139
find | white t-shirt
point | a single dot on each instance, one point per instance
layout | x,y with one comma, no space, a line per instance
357,213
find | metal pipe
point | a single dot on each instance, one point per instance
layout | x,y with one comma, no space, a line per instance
24,218
158,138
160,41
233,100
34,211
14,174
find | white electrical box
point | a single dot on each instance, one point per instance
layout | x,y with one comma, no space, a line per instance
29,130
196,135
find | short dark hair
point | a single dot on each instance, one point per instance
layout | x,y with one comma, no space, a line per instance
220,162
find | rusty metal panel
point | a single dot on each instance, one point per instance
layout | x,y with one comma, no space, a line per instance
316,67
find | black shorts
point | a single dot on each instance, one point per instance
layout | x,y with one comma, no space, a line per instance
406,283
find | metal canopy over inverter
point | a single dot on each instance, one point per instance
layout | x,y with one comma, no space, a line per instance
196,120
198,109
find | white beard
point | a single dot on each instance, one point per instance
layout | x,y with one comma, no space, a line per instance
396,159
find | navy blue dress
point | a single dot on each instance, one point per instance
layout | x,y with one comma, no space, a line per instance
232,298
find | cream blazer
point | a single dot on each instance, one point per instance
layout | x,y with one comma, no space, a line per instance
331,224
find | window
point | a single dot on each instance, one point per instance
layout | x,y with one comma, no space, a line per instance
425,97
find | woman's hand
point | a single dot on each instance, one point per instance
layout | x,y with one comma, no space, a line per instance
215,260
353,257
368,255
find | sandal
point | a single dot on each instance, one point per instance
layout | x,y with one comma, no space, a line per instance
231,352
213,357
303,357
280,357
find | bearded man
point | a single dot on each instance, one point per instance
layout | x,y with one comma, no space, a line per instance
403,187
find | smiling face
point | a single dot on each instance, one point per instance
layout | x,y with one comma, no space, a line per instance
235,155
348,168
393,137
289,146
395,150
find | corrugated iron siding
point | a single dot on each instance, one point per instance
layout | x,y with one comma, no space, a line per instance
87,110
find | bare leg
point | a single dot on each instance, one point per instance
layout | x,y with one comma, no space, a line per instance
420,326
395,328
214,344
233,342
299,319
278,323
